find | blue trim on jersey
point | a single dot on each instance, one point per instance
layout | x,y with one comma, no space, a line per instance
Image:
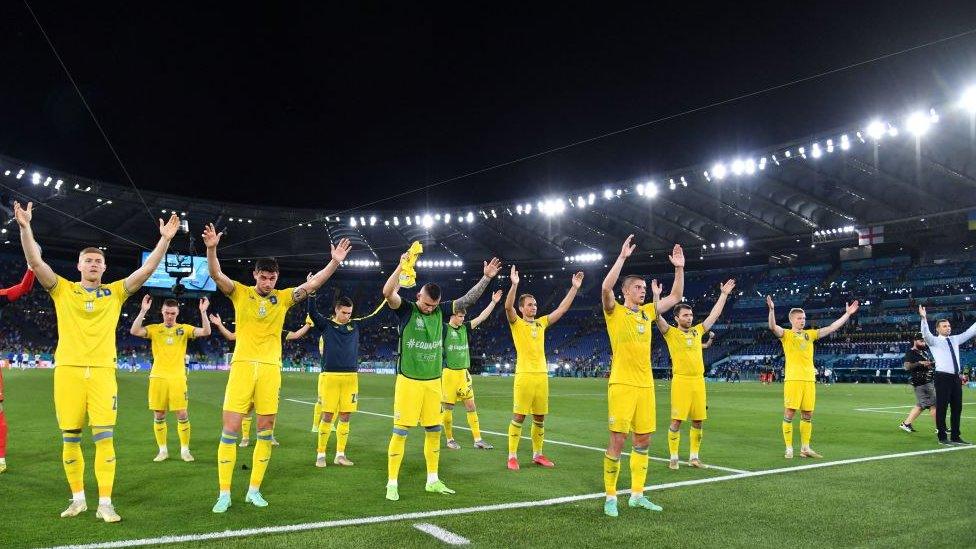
102,436
71,439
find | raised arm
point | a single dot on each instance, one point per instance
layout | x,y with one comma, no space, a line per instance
510,313
137,328
32,252
312,310
313,283
204,329
725,290
567,301
773,327
609,281
677,259
139,277
210,239
965,336
662,325
495,298
299,333
490,270
835,325
228,335
392,285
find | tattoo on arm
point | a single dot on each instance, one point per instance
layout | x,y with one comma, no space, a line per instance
469,299
299,294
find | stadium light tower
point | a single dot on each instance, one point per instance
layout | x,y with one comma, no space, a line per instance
876,130
918,123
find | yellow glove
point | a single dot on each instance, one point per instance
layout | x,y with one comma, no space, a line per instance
408,273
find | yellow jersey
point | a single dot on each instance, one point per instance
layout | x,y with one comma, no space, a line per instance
798,350
687,359
259,321
630,344
87,320
530,345
169,349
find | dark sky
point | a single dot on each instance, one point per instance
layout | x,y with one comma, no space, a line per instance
330,107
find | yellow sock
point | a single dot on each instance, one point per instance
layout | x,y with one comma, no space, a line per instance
514,436
394,454
226,457
317,415
788,432
448,421
104,460
261,457
342,436
475,425
73,460
696,438
183,429
246,425
806,431
674,442
432,448
538,431
638,470
611,470
160,431
325,431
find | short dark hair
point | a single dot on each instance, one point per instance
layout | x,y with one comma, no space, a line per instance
266,265
940,321
432,290
343,302
680,307
171,303
523,297
629,279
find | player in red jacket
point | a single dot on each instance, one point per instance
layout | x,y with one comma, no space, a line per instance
6,296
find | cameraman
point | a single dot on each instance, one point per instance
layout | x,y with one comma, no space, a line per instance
920,365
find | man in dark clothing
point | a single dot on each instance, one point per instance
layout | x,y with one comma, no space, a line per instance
919,364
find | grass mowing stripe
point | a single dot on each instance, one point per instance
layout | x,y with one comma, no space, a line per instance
548,441
483,508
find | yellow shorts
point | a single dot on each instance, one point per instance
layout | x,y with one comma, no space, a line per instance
167,393
631,409
688,398
800,395
253,381
417,402
456,385
80,390
339,392
531,394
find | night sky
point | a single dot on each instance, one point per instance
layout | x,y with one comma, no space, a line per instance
332,107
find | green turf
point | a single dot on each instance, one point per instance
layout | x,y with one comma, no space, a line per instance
892,503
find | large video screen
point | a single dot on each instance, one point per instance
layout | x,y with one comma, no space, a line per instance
197,278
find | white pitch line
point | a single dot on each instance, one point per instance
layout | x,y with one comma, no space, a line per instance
446,536
548,441
873,411
266,530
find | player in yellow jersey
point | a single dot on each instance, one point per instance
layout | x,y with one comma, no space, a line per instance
255,369
531,390
248,418
688,370
799,383
167,379
630,393
86,357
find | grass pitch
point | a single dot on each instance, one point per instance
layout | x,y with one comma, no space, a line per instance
907,501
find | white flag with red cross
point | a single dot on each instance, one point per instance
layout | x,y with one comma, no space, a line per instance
870,235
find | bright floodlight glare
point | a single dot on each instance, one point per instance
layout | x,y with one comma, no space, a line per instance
845,143
608,194
918,123
640,189
750,166
739,242
684,182
372,220
671,185
651,191
428,221
352,221
591,198
876,130
518,209
719,171
738,167
815,150
447,218
470,217
968,100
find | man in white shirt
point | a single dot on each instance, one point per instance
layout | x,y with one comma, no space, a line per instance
948,370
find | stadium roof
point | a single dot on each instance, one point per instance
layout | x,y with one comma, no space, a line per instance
913,174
